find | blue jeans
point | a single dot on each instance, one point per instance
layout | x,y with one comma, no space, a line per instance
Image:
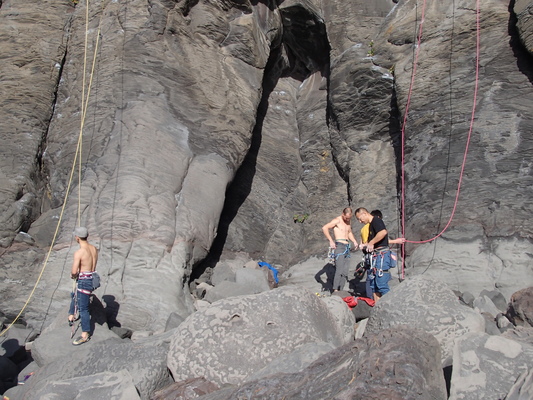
83,301
381,261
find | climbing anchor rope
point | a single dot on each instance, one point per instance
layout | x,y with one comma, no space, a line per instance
77,158
403,135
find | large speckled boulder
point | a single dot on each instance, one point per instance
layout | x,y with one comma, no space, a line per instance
236,337
398,364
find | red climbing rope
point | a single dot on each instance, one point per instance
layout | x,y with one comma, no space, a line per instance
476,85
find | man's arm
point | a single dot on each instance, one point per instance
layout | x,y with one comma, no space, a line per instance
380,235
397,241
76,264
95,259
326,229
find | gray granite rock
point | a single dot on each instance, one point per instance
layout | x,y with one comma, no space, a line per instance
295,361
32,66
55,341
491,327
185,390
343,317
483,304
257,279
406,365
524,15
502,322
227,289
429,305
144,362
485,367
520,334
497,298
222,272
482,248
523,387
238,336
219,128
117,385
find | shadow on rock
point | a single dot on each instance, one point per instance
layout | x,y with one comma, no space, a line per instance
111,310
329,271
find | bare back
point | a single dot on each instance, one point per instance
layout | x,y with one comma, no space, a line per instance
85,258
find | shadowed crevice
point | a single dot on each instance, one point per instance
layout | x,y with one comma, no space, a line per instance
303,51
524,59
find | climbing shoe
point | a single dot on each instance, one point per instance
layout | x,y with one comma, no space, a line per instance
81,340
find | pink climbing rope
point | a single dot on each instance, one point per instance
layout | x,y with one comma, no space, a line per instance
476,86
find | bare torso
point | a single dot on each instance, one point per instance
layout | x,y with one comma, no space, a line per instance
342,230
85,259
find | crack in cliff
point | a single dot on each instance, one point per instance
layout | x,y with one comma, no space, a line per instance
241,185
304,50
42,178
524,59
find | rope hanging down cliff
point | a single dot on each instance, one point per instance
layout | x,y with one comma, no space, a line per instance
476,85
77,157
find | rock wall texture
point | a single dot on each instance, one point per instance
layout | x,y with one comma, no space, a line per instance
216,128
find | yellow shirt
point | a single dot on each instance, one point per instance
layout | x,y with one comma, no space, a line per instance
365,231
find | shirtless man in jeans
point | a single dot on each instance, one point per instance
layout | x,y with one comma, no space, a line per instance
85,259
342,231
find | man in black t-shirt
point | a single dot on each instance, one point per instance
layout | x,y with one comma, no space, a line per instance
378,245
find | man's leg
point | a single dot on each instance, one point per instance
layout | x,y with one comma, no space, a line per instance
344,270
83,304
85,316
340,265
382,282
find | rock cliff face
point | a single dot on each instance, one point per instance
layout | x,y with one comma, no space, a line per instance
218,128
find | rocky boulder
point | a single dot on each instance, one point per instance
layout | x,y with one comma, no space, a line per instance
117,385
143,363
429,305
520,311
239,336
523,10
185,390
368,368
486,367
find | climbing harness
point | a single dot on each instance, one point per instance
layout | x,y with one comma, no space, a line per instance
379,254
331,255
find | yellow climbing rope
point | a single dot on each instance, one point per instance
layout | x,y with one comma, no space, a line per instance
77,155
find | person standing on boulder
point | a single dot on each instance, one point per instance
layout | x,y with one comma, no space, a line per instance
342,231
365,232
83,267
378,245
